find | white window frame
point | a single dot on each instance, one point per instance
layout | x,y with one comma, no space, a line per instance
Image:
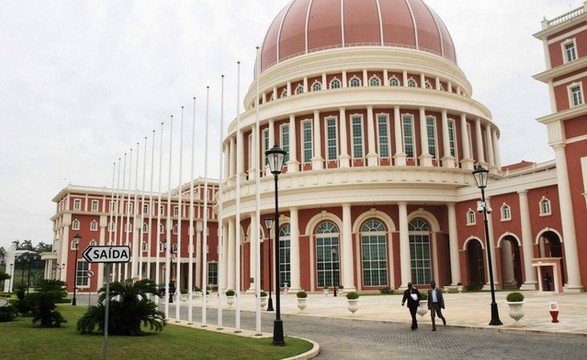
357,139
471,217
576,95
145,228
374,81
299,89
93,225
355,81
146,208
505,212
335,83
284,93
412,83
284,132
316,86
410,118
545,206
327,122
95,205
394,81
383,140
307,141
452,138
77,204
432,140
569,52
75,224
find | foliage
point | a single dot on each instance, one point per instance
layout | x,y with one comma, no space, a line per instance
301,294
129,309
21,305
183,291
229,292
42,303
8,313
423,295
4,276
352,295
515,297
263,293
386,291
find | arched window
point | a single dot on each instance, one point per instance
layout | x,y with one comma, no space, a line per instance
93,243
374,253
175,229
412,82
506,212
327,254
300,89
374,81
419,233
75,224
316,86
111,226
144,246
354,81
545,208
94,225
335,84
394,81
471,218
145,228
284,255
427,84
284,93
161,229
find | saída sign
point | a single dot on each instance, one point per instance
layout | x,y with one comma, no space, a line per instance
107,254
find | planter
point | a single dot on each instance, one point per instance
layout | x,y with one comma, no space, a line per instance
422,309
263,301
184,297
302,303
352,305
516,311
196,294
230,300
325,291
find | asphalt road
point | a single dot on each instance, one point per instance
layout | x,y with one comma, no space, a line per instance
360,339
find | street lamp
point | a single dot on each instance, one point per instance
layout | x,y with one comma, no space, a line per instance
333,251
275,157
76,240
481,176
269,226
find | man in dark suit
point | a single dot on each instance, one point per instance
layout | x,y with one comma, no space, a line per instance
435,304
412,296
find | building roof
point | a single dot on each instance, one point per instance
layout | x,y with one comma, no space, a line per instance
306,26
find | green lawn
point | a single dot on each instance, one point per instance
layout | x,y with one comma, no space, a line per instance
20,340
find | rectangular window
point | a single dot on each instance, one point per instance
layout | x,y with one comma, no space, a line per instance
431,132
94,226
374,258
570,51
383,133
357,136
145,209
129,207
285,141
113,206
331,139
161,209
175,210
284,262
408,128
307,140
576,95
212,273
77,204
81,274
95,205
327,261
452,135
266,145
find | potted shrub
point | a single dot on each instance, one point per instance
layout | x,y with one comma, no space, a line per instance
184,294
230,294
196,292
301,296
423,308
515,301
460,287
352,299
263,297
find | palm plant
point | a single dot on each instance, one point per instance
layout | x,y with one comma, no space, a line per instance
130,308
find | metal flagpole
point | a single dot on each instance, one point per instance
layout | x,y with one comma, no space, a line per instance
150,227
237,242
135,229
142,214
191,227
255,235
220,269
169,225
205,214
179,217
158,230
127,211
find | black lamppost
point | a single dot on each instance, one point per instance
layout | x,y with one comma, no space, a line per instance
275,157
481,176
334,284
75,242
269,226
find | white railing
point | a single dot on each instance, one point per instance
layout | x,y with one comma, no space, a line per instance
566,16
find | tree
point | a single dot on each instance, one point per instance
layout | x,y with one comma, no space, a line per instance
43,247
130,307
4,276
42,303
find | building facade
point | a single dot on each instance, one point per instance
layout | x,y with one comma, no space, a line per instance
382,135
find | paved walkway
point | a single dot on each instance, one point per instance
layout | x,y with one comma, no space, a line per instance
462,309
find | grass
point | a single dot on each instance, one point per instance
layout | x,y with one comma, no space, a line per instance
19,339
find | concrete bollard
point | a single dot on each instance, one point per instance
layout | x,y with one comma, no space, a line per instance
554,311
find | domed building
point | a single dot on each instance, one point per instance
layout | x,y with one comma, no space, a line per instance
381,135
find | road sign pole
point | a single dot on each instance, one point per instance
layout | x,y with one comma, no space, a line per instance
107,308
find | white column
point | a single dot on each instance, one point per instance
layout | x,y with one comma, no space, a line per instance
568,222
479,140
399,156
230,269
496,156
240,150
317,161
294,248
455,261
232,157
404,245
530,274
447,160
344,158
346,252
253,241
466,162
372,154
225,256
293,163
489,141
425,158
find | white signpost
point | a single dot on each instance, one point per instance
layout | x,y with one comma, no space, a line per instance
107,255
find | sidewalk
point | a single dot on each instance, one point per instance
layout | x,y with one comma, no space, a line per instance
466,309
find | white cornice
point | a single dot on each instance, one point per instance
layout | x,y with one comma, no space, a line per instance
564,69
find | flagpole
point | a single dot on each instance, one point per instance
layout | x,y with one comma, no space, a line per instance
205,228
220,269
179,218
142,213
114,240
237,282
126,209
121,213
158,230
255,236
191,227
169,223
135,230
150,232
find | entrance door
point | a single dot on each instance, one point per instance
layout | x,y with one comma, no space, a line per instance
476,268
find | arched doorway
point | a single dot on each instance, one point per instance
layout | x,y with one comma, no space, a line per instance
511,270
475,265
549,246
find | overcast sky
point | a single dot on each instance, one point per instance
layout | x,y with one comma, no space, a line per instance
82,81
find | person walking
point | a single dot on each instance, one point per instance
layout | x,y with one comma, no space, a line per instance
435,304
412,296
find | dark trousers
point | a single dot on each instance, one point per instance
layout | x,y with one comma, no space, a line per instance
436,310
413,310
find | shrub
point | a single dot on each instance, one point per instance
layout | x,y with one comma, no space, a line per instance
515,297
352,295
183,291
424,295
42,303
8,313
229,292
386,291
301,294
263,293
